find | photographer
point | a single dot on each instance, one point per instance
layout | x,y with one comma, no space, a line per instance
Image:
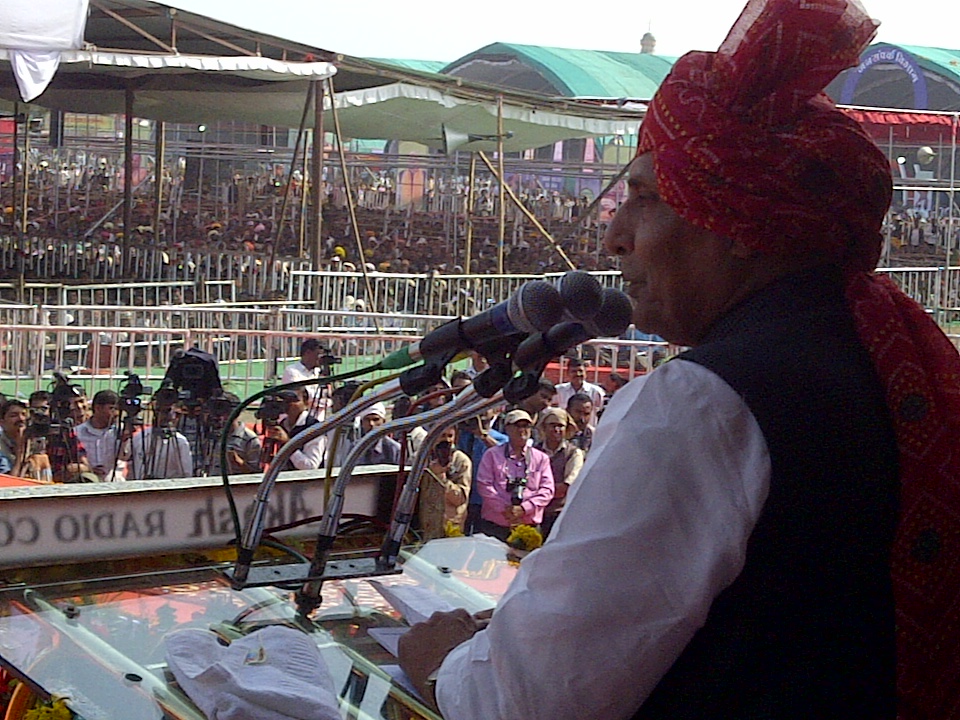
160,451
39,402
68,409
296,418
444,487
244,447
315,361
100,436
21,455
514,480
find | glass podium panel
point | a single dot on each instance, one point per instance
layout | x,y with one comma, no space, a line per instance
100,642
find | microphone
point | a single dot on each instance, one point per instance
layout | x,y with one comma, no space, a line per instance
613,318
581,293
535,305
536,351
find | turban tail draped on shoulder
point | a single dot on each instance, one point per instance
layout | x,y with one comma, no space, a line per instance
746,145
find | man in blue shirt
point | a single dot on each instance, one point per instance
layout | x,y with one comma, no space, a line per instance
476,436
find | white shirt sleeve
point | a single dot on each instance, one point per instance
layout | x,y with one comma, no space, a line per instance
654,528
311,456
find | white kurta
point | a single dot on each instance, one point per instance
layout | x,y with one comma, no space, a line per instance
655,527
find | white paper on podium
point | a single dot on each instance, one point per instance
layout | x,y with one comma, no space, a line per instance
388,637
414,603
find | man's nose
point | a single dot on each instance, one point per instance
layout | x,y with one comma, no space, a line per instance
618,240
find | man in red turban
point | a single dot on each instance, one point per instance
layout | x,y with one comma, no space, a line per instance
767,527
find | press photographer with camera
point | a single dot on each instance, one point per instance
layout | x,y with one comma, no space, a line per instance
445,487
315,361
160,451
296,417
68,409
21,455
102,439
514,480
244,447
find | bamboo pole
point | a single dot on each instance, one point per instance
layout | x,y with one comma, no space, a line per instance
530,215
160,149
316,172
293,164
25,197
127,178
501,232
468,250
350,205
15,174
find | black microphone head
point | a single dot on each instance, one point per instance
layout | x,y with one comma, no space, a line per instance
536,305
616,313
540,348
581,293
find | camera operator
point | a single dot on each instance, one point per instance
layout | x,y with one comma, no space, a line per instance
101,437
297,417
244,447
315,361
21,455
68,455
40,402
160,451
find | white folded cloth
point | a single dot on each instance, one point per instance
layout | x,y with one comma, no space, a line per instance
276,673
34,69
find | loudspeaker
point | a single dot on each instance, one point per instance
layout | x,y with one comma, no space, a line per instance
454,139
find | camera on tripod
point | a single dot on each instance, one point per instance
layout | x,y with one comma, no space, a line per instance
270,410
40,425
193,375
62,395
327,360
130,392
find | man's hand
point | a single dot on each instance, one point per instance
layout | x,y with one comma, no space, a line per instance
424,647
516,513
276,432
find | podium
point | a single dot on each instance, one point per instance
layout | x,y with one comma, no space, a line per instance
99,641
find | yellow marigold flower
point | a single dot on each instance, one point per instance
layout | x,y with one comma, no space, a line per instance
525,537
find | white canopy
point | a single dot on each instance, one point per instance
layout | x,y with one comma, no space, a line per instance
181,88
423,114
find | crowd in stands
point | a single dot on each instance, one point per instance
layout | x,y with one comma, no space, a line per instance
427,235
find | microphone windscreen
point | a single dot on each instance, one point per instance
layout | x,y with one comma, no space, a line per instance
616,313
581,293
536,305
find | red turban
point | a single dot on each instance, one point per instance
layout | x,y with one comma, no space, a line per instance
746,145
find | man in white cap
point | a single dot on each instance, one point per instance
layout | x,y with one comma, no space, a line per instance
386,450
514,480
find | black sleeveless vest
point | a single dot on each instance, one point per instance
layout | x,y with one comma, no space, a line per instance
807,629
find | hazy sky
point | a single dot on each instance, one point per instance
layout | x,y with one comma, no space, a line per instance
446,30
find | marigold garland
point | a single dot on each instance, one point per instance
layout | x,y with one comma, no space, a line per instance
56,710
452,529
525,537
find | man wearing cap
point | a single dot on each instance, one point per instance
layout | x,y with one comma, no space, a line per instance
386,450
514,480
566,460
309,367
760,529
